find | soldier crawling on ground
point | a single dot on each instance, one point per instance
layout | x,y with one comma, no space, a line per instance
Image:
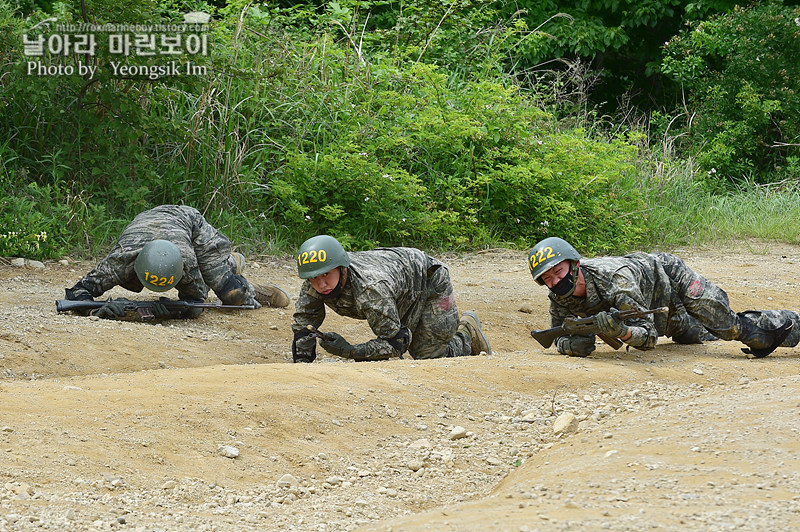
698,309
174,246
405,295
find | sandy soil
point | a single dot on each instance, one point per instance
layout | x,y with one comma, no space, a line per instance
126,425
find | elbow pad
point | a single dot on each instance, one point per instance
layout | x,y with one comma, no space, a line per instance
401,340
79,292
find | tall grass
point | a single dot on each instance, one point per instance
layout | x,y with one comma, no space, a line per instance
684,209
755,212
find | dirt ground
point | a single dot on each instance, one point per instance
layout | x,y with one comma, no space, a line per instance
207,425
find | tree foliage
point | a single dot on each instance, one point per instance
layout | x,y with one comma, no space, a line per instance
620,38
740,71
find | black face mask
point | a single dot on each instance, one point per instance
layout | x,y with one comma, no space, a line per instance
565,286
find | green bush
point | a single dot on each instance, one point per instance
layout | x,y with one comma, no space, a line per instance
29,223
459,168
741,72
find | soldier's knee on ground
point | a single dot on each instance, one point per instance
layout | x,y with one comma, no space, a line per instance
234,291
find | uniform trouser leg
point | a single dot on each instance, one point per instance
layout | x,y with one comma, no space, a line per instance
683,328
703,300
709,305
436,334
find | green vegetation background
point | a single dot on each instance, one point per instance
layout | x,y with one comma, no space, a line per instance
459,125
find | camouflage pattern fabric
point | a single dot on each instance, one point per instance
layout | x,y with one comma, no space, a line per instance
655,280
392,288
206,252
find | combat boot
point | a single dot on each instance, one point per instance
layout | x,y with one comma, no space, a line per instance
761,342
270,295
469,321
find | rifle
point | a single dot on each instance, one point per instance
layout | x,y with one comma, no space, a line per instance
586,326
143,308
317,333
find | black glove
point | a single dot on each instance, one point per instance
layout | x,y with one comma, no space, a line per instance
160,310
575,345
304,347
190,313
110,311
610,325
335,344
77,293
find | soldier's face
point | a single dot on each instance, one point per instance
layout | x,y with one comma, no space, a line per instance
325,282
552,276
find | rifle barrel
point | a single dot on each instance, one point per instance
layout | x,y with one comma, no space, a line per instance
65,305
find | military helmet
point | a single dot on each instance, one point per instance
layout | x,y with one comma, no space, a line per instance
547,254
320,254
159,265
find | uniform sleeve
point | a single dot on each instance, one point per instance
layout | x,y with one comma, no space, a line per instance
380,310
309,310
557,314
115,269
212,250
625,293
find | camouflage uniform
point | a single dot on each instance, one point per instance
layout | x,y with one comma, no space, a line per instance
391,288
206,253
656,280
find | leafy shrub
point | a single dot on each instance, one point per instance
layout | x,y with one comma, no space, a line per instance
349,195
741,70
28,226
462,168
